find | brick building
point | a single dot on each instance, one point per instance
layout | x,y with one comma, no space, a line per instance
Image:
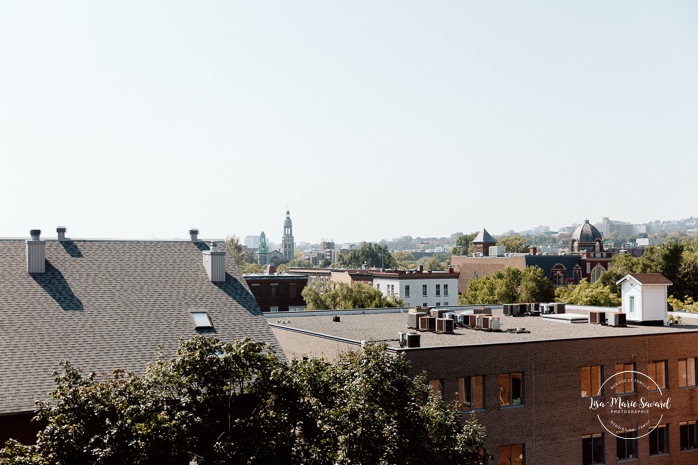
277,292
533,390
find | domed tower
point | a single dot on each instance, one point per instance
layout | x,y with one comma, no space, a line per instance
586,238
287,241
587,242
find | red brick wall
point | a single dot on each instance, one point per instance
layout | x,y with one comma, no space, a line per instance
555,416
19,427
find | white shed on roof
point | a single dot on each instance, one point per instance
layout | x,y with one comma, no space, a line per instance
645,298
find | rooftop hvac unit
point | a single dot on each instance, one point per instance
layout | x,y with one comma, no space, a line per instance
506,309
535,309
494,323
616,319
413,319
461,319
472,321
438,312
485,321
559,307
478,321
427,323
547,308
514,310
444,325
413,340
597,318
482,311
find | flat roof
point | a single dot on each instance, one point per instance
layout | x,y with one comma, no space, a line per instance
384,327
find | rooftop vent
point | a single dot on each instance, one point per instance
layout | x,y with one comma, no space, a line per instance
194,233
61,232
36,253
214,263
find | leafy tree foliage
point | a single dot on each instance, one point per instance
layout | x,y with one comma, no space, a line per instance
242,255
464,244
535,287
515,243
326,296
433,264
224,403
509,286
403,259
369,253
596,294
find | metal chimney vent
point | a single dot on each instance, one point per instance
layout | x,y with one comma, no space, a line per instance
36,253
194,233
61,232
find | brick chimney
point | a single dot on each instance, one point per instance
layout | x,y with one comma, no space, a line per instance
533,250
214,263
36,253
61,232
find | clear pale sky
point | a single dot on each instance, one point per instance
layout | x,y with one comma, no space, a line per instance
367,119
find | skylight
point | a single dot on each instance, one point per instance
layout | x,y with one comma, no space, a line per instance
201,320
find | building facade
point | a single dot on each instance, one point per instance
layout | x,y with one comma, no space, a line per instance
287,242
419,288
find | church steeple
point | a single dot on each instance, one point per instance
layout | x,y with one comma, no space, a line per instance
287,240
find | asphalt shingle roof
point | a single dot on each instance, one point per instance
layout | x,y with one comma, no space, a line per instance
109,304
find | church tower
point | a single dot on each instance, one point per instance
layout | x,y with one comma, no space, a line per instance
287,241
263,251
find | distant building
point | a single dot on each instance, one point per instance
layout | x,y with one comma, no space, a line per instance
419,288
277,292
252,242
482,243
587,259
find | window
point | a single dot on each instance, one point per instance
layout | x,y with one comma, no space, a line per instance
687,372
437,387
445,290
201,320
378,286
255,290
510,389
591,380
631,304
657,371
471,392
407,291
624,380
592,449
689,440
511,455
274,290
438,304
626,445
438,290
424,290
659,440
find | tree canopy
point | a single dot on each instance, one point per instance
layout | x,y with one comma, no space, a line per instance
222,403
370,254
464,244
327,296
515,243
509,286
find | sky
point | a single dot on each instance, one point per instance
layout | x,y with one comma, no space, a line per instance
367,120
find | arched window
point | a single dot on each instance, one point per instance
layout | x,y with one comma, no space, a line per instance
557,273
596,273
577,273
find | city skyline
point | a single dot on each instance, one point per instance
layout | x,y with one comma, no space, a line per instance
144,120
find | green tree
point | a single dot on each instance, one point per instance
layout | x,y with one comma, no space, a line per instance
370,254
464,244
403,259
240,254
213,401
515,243
535,287
597,294
433,264
328,296
499,288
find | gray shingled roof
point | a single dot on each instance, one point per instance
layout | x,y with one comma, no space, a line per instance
484,237
106,305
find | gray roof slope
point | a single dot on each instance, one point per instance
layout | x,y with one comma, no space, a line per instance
106,305
484,237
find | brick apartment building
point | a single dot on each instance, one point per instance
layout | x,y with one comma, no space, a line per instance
533,389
